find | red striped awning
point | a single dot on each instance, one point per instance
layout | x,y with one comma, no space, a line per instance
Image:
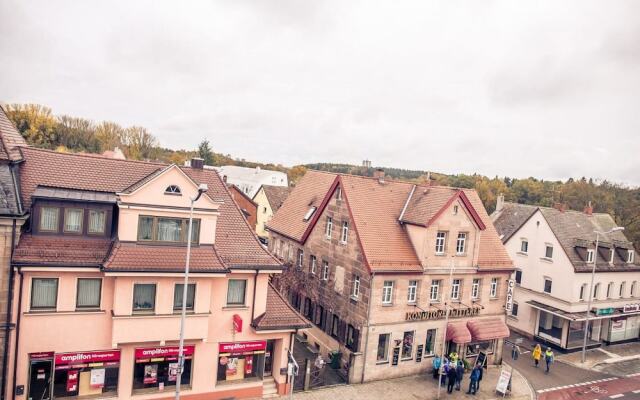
487,329
458,333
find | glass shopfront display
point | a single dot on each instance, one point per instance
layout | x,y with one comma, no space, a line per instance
40,368
241,361
486,347
157,367
81,374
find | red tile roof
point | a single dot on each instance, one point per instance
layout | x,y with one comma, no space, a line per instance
133,257
10,139
236,243
276,195
279,314
61,250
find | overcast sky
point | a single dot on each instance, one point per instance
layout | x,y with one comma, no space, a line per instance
544,88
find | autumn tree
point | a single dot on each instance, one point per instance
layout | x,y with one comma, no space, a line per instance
205,152
140,143
110,135
36,123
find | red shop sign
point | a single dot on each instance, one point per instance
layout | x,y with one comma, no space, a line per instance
237,323
41,356
242,347
162,352
87,357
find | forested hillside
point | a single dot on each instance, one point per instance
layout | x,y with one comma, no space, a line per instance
42,128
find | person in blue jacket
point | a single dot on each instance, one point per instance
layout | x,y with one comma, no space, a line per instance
473,379
437,361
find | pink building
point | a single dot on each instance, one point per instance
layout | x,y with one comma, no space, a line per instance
98,286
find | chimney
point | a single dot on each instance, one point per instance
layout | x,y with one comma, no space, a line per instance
588,209
258,169
197,163
500,202
379,175
560,207
224,178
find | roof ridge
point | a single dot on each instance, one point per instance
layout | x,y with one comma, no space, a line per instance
93,156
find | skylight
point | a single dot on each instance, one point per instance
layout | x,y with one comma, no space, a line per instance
309,213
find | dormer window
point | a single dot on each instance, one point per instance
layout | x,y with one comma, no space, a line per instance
309,214
612,253
73,220
173,189
630,256
49,219
590,255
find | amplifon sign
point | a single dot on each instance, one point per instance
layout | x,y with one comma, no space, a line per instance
88,357
629,308
163,352
438,314
242,347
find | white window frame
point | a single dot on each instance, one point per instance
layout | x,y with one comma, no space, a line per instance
412,292
609,290
300,258
612,252
325,270
455,289
313,266
434,290
475,289
387,292
344,235
583,290
441,239
623,289
461,243
630,256
524,243
590,256
355,292
596,291
493,292
548,246
328,231
338,193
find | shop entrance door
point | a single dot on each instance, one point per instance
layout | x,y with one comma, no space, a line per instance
268,358
40,380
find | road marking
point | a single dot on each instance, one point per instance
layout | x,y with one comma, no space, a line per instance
636,391
636,374
616,396
577,385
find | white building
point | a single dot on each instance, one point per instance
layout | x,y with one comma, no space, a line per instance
249,180
553,251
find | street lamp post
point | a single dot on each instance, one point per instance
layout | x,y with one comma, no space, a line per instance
446,323
202,188
590,294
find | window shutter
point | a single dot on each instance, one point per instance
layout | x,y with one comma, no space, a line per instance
342,330
356,339
328,321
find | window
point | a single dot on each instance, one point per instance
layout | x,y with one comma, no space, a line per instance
177,296
629,256
88,293
612,253
596,290
236,292
264,210
355,292
634,288
335,324
583,289
622,289
475,289
300,258
524,246
325,270
73,220
44,293
412,291
144,297
493,290
519,276
329,228
97,221
312,263
49,219
338,193
309,214
345,232
609,290
430,344
547,285
319,312
351,337
514,309
158,373
440,240
590,254
383,347
172,189
455,289
307,308
434,291
455,210
407,344
387,292
461,242
161,229
548,251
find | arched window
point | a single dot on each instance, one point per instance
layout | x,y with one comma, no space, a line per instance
172,189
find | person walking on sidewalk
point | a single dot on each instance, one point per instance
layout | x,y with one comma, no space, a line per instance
537,354
473,380
480,370
515,351
548,358
436,366
459,374
451,378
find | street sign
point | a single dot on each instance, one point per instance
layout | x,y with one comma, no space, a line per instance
503,381
509,305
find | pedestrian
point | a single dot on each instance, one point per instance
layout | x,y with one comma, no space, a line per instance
451,378
480,371
459,374
473,380
515,351
436,366
445,370
453,357
537,354
548,358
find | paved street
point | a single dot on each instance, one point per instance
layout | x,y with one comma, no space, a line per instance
611,388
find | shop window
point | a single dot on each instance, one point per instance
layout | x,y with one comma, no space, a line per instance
328,231
241,361
524,246
514,309
434,291
519,276
44,293
312,263
88,293
548,251
474,348
430,344
455,289
547,285
49,219
91,374
178,292
493,290
319,312
97,221
236,292
407,344
156,369
475,289
412,292
383,347
144,297
387,292
440,242
461,243
73,220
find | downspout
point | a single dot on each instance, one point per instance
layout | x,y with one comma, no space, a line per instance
366,343
255,284
7,324
15,357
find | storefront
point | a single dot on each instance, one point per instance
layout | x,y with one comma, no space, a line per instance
241,361
82,374
40,372
156,368
624,325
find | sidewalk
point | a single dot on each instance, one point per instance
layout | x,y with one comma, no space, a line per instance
421,387
620,359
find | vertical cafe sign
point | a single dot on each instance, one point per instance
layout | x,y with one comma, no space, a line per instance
509,305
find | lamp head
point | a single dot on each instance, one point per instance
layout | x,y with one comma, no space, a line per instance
617,229
202,188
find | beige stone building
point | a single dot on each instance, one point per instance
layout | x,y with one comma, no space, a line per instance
268,199
368,263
